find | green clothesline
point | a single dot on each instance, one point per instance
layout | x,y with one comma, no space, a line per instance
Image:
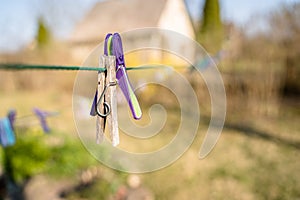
59,67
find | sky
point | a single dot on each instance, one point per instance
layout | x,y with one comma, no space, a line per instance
18,18
239,11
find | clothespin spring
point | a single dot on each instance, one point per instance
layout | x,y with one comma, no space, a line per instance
107,108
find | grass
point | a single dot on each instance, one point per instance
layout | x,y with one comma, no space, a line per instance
240,166
35,153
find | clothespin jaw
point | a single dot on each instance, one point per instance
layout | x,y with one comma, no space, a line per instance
122,77
107,44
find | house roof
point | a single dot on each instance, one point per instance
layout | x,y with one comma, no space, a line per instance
117,16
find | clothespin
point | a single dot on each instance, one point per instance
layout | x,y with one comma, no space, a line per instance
12,117
42,116
7,135
105,105
122,77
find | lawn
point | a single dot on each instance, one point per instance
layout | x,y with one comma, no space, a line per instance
259,160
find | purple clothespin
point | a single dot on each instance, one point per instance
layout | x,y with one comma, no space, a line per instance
42,116
122,77
113,46
104,103
12,117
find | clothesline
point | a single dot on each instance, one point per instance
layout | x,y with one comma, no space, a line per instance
9,66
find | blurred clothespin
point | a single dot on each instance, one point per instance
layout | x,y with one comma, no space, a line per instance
7,135
42,116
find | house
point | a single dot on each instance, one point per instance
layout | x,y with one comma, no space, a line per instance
124,15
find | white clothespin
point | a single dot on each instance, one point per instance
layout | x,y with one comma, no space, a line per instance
105,102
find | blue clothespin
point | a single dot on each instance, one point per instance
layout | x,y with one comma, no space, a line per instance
7,135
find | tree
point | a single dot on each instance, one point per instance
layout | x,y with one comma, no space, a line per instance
211,29
285,32
43,35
